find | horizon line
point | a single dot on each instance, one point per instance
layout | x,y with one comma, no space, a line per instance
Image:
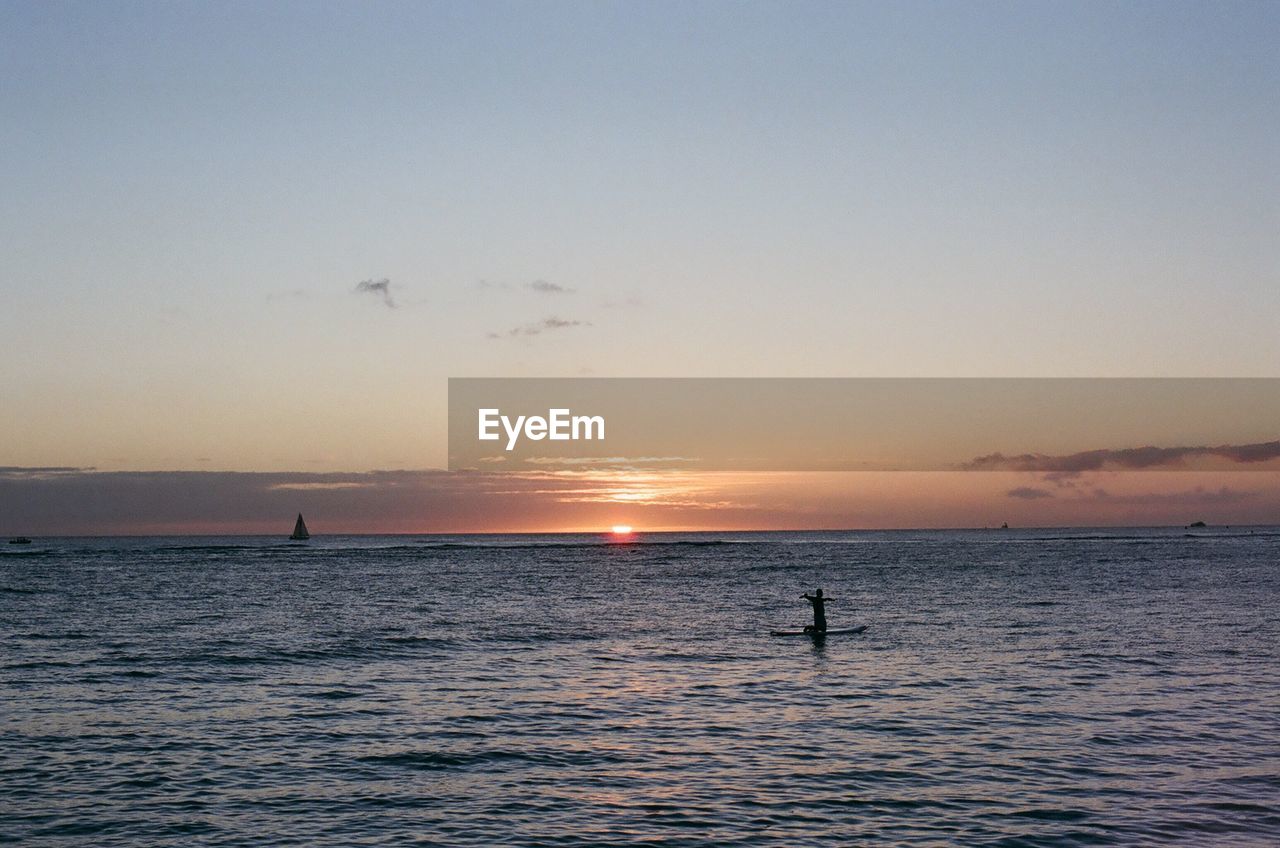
605,531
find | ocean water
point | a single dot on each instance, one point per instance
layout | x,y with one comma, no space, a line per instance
1013,688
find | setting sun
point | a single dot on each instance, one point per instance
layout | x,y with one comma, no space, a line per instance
622,529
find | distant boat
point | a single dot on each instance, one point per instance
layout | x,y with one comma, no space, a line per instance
23,540
1196,524
300,530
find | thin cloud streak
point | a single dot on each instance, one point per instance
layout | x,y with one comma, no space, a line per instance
570,461
539,327
1129,459
539,285
544,287
1027,493
1197,497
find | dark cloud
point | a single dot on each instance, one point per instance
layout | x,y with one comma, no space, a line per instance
1128,459
381,288
1261,452
539,327
544,287
1027,493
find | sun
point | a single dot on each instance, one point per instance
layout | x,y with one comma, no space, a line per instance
622,529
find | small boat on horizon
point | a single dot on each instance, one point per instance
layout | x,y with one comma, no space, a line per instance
300,533
19,540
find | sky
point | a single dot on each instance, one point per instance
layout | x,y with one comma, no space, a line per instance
260,237
66,501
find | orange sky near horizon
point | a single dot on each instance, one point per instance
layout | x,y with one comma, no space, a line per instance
91,503
912,500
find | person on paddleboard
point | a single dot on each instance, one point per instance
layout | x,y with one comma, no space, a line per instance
819,611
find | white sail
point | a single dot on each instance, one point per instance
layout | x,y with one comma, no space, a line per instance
300,529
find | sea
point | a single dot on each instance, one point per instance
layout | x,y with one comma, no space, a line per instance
1012,688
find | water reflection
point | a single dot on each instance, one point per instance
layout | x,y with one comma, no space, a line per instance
1013,689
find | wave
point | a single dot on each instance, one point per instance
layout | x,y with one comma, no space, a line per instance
444,760
27,553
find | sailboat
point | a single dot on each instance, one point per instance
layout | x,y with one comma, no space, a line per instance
300,530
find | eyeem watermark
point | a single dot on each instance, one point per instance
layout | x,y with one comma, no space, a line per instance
1058,426
560,425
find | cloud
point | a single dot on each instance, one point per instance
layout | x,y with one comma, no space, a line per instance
557,323
539,285
306,486
539,327
1062,479
381,288
1197,497
544,287
1084,493
1131,459
1028,493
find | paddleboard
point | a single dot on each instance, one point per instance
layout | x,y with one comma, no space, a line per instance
837,631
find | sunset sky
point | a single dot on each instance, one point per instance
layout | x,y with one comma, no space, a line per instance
259,238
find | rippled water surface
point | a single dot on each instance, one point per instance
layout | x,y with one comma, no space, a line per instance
1012,688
